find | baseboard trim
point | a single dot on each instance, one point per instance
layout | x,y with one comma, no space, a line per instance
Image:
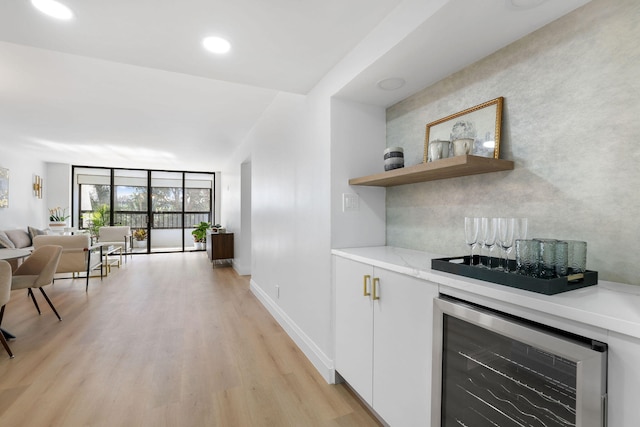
322,363
241,269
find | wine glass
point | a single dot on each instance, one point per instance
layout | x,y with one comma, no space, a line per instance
480,242
471,234
489,231
505,239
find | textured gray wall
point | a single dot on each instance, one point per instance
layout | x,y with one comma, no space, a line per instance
571,124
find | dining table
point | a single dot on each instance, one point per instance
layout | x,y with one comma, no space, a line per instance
8,254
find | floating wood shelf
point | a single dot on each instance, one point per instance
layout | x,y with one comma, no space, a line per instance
451,167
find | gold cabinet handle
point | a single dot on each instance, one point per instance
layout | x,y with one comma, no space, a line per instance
376,284
367,278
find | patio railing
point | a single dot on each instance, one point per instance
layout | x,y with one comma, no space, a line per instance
161,220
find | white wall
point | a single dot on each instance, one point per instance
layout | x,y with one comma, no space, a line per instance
24,208
244,248
58,187
292,204
231,214
357,142
290,219
217,209
296,149
235,189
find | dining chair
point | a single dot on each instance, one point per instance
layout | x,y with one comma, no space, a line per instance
5,294
37,271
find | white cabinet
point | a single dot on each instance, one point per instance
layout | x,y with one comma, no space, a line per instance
354,325
383,347
623,380
383,339
403,322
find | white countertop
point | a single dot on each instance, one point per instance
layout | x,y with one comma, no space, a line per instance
607,305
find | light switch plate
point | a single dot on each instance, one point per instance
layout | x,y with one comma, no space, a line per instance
350,202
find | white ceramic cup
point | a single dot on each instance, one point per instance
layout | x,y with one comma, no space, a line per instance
462,146
438,150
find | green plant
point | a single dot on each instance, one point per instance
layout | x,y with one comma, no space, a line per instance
200,233
58,214
140,234
98,218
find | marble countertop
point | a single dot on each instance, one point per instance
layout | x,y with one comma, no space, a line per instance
607,305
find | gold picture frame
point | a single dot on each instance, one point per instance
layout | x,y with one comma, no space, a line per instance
481,123
4,188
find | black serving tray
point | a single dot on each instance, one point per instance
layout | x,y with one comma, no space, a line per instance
460,266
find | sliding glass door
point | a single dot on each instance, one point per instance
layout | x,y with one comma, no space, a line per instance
131,204
93,198
161,207
198,204
166,212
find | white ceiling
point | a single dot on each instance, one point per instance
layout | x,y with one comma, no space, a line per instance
458,34
127,83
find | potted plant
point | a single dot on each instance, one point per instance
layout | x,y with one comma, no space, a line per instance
58,217
140,236
200,234
97,219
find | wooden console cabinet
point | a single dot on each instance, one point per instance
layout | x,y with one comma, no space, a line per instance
219,246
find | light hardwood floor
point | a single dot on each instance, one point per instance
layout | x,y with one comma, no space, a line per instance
164,341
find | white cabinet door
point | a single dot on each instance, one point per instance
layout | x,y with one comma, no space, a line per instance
403,321
354,326
624,380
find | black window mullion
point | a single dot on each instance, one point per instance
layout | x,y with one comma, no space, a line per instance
112,197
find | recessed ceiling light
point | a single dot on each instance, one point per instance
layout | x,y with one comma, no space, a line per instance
216,44
524,4
392,83
53,9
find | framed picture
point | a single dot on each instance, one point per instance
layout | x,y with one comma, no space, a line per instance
4,188
477,130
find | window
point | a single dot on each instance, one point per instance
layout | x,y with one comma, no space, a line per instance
197,206
130,206
95,204
166,207
168,204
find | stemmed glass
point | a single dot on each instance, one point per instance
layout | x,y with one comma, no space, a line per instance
471,234
505,239
489,230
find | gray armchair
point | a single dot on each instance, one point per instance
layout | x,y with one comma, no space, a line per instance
5,294
38,271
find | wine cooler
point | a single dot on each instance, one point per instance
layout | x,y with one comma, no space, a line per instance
493,369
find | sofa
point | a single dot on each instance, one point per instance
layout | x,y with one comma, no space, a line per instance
18,239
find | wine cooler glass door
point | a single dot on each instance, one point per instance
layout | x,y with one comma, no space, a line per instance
493,370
